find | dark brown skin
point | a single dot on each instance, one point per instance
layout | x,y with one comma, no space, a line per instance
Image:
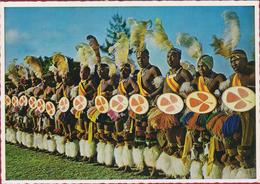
173,61
107,85
129,84
245,71
151,73
216,79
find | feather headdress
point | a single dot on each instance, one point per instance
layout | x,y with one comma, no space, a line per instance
92,41
120,49
138,31
12,73
86,54
159,36
224,46
191,43
61,63
110,63
35,65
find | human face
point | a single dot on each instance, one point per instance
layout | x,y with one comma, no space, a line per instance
143,59
173,59
84,73
238,64
103,72
125,72
203,69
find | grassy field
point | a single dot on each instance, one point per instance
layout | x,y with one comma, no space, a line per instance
25,164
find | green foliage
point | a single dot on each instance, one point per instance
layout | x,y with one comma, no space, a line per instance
46,63
25,164
116,25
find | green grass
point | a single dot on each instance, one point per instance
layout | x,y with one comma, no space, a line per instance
25,164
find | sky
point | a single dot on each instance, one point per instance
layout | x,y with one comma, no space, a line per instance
43,31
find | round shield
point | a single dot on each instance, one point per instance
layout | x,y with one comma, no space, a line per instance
50,108
15,101
170,103
239,98
8,100
101,104
201,102
23,101
64,104
80,103
138,104
32,102
118,103
40,105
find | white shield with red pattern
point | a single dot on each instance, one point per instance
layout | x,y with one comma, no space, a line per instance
239,98
50,108
8,100
80,103
138,104
101,104
40,105
118,103
64,104
170,103
23,101
201,102
15,101
32,102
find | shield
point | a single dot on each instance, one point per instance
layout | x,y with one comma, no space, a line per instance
15,101
201,102
40,105
32,102
170,103
101,104
8,100
50,108
23,101
80,103
64,104
118,103
239,98
138,104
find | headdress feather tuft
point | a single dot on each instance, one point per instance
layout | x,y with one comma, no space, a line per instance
35,65
224,46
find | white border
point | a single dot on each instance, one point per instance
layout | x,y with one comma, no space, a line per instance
254,3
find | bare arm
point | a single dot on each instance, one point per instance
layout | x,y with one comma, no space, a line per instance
134,86
156,73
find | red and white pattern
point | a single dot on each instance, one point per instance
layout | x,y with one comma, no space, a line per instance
64,104
170,103
50,108
8,100
32,102
139,104
40,105
23,101
118,103
80,103
101,104
15,101
239,98
201,102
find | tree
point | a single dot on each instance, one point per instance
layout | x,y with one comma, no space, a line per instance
117,25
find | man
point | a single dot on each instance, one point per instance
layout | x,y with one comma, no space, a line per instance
124,137
149,81
177,81
208,81
242,147
84,126
105,126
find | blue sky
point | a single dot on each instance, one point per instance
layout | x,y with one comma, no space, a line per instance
43,31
